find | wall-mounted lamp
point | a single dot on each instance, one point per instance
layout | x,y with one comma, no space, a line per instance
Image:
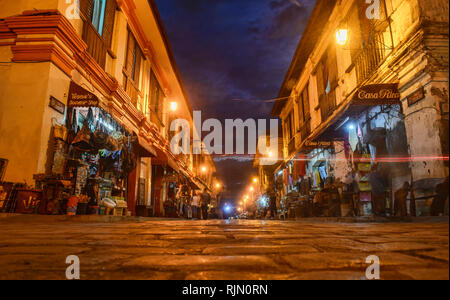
342,36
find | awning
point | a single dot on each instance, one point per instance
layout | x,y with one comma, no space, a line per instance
143,148
360,100
173,164
162,158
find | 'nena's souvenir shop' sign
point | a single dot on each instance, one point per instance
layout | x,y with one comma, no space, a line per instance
80,97
377,94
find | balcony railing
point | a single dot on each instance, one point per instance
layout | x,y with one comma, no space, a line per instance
370,58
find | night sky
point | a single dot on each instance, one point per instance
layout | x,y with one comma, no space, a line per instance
233,55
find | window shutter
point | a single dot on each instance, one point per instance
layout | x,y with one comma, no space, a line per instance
137,69
86,9
306,108
332,66
108,28
300,110
130,54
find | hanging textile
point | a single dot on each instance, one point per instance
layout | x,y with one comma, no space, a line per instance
323,173
295,171
301,166
353,138
285,179
347,146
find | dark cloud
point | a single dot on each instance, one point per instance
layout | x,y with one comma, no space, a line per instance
234,49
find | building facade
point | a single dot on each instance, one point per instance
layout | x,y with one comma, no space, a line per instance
115,56
365,101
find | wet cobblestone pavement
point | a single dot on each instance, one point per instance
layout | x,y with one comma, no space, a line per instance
228,250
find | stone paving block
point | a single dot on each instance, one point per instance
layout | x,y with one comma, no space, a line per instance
425,274
212,275
179,249
203,262
262,249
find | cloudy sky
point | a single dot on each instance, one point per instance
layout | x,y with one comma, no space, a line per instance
234,49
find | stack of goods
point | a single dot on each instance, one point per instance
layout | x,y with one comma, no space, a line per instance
121,206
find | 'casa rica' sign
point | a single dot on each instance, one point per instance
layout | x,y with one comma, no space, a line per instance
377,94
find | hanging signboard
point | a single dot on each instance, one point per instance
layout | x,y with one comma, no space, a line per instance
80,97
57,105
377,94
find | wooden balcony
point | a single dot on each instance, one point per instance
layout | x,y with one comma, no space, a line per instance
370,58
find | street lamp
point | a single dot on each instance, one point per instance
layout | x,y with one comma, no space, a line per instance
173,106
204,169
342,36
252,189
255,180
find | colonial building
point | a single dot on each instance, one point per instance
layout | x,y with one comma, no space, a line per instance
366,100
108,65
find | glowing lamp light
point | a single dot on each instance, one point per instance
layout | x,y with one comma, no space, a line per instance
252,189
255,180
270,154
227,208
351,127
204,169
173,106
342,36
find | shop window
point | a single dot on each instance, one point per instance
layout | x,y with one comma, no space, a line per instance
98,17
132,70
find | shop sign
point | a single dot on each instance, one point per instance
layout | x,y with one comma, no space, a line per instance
416,96
377,94
318,144
57,105
80,97
171,178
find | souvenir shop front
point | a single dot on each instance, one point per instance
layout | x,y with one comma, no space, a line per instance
92,159
366,163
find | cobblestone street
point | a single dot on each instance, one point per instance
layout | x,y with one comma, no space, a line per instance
163,249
